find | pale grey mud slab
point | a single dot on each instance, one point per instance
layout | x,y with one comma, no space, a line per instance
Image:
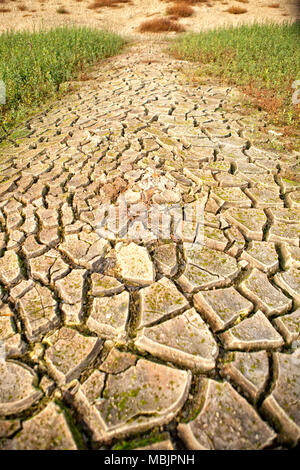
289,326
252,333
221,307
144,396
48,430
225,422
17,388
270,300
109,315
248,370
159,300
70,353
283,403
184,340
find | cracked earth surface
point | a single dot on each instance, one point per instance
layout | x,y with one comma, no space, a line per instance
162,343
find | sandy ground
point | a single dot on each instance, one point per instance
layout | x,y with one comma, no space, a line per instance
127,18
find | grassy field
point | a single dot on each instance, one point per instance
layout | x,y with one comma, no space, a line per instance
34,66
263,59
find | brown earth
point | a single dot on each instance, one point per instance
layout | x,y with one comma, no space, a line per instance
125,19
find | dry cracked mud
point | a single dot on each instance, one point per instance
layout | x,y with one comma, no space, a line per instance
180,334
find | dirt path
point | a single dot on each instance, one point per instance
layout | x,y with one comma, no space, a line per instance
132,324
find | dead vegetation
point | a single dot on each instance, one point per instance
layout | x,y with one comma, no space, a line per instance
62,11
22,7
159,25
180,10
187,2
236,10
107,3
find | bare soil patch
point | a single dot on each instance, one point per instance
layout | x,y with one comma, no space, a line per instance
125,17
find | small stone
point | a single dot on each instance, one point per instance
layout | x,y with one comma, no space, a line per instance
70,353
225,422
141,397
47,385
248,370
134,264
255,332
17,388
166,259
109,315
48,430
159,300
282,406
105,285
289,326
262,255
290,282
270,300
37,352
184,340
221,307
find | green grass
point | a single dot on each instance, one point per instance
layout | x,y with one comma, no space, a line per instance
34,66
264,59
